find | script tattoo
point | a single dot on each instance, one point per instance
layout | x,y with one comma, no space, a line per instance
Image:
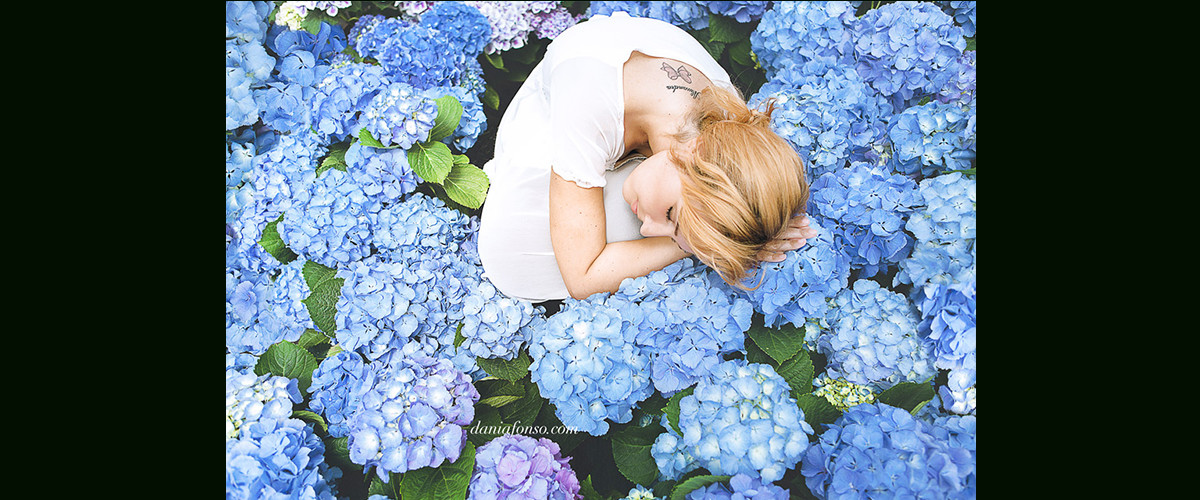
676,74
695,95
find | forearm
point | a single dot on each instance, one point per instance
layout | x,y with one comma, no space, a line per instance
620,260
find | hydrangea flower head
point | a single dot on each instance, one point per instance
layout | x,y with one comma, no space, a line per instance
958,395
517,467
278,459
399,115
741,419
687,15
341,96
247,21
866,209
907,50
872,338
944,227
932,137
412,416
250,398
327,222
262,311
841,393
792,33
948,321
463,25
639,492
963,13
740,487
291,14
742,11
338,386
880,450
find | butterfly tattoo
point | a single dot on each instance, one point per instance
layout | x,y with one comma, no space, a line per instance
675,74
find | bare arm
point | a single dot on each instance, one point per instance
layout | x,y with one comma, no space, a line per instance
588,263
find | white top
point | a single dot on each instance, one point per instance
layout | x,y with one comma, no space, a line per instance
569,114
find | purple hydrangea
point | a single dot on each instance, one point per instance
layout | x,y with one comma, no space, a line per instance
519,467
412,416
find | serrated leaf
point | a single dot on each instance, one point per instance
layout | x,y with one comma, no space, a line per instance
907,395
309,416
449,113
682,489
507,369
587,490
491,98
727,30
447,482
525,410
467,185
335,159
498,401
390,489
781,344
798,372
431,161
671,412
325,289
365,137
289,360
312,338
755,354
273,243
631,453
817,410
337,452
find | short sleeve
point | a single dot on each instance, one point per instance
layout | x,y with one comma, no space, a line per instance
586,113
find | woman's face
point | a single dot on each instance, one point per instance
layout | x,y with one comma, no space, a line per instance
653,193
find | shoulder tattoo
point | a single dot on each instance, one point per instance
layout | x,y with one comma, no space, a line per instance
676,74
673,88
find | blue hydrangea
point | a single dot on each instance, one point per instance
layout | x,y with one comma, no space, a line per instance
463,25
251,398
587,365
741,419
292,14
239,361
876,450
252,58
240,108
872,338
420,54
327,222
907,50
517,467
261,311
341,96
866,208
958,395
278,459
799,287
329,41
247,21
412,416
683,320
383,174
672,457
961,86
399,115
944,227
792,33
239,159
742,11
826,112
244,262
687,15
932,137
948,322
496,326
285,106
740,487
338,386
963,13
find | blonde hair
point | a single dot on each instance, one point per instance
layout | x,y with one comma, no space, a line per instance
740,185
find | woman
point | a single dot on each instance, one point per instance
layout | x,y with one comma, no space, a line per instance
627,149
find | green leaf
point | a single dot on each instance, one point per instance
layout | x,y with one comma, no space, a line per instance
365,137
507,369
325,289
671,412
523,411
682,489
755,354
289,360
311,417
587,490
337,452
631,452
335,159
907,395
727,30
781,344
566,440
817,410
458,336
484,427
798,372
467,185
431,160
739,52
449,113
491,98
390,489
273,243
447,482
970,44
498,401
495,60
311,338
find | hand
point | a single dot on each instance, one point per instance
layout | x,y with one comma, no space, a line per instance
793,236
